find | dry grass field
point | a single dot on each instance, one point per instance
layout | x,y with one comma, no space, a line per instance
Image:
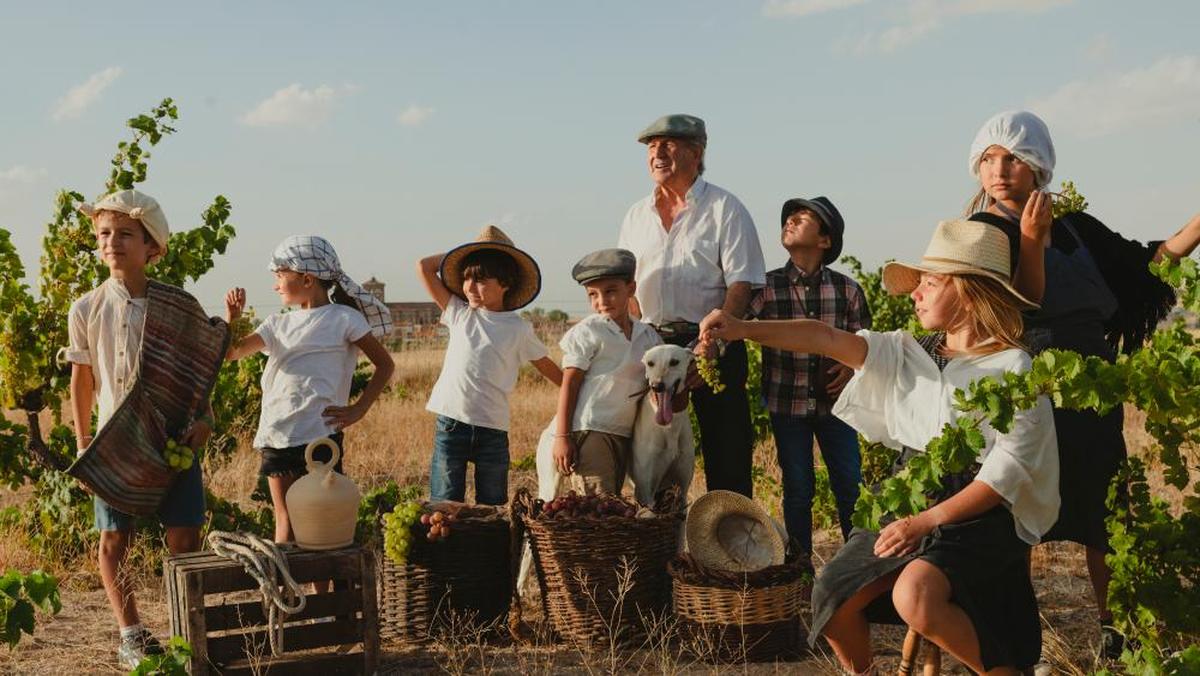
393,442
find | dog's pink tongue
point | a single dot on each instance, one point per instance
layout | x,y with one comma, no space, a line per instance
663,414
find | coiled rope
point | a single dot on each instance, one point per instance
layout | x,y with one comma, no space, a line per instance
263,561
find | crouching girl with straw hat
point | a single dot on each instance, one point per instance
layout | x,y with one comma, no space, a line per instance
957,572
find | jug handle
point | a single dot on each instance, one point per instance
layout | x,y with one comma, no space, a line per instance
315,464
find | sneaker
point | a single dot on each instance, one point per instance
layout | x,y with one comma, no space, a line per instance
1112,642
134,649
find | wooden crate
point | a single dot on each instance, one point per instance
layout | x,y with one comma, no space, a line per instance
215,605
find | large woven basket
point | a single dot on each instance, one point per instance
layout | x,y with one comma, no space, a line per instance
461,583
739,617
583,563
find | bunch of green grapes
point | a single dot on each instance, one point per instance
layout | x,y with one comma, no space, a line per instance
178,456
398,530
1068,201
241,327
708,370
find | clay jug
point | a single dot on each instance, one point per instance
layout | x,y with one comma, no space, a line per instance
323,505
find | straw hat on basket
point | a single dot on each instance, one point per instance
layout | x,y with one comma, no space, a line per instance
529,276
960,248
729,531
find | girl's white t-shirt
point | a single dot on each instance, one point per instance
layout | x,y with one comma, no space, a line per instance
483,358
310,361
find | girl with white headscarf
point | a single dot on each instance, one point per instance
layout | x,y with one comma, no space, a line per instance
312,351
1097,296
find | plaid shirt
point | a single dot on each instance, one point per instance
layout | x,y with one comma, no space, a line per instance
790,380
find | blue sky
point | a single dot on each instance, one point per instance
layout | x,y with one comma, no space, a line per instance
398,129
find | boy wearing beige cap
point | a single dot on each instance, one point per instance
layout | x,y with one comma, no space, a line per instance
106,328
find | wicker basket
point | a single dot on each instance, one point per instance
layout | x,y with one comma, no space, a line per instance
580,562
462,582
739,617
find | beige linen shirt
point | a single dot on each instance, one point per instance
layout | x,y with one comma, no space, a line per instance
105,329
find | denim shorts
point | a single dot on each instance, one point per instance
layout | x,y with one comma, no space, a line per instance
290,461
182,507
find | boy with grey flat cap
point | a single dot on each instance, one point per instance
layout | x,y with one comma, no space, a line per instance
586,445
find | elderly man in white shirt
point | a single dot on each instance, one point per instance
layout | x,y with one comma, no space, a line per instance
697,250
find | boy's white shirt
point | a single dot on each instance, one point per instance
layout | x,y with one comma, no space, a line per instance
900,398
105,328
607,400
483,358
310,362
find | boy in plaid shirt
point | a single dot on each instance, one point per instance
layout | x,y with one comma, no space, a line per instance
800,389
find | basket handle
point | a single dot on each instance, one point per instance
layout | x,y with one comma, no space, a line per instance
520,506
317,464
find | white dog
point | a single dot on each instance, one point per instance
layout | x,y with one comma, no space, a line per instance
662,451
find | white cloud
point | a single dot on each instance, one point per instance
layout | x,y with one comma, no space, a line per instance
295,106
1165,92
919,18
805,7
78,98
21,174
414,115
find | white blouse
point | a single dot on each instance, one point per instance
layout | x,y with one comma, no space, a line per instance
900,398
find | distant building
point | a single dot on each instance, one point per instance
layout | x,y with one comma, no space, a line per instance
409,320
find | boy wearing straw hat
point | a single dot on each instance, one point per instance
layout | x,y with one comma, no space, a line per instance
106,328
479,286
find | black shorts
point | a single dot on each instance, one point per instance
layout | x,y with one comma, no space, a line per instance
290,461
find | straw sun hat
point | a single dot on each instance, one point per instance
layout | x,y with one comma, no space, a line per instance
729,531
959,248
529,277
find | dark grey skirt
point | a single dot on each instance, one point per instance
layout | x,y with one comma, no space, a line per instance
988,568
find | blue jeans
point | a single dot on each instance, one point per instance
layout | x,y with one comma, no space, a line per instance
455,444
839,450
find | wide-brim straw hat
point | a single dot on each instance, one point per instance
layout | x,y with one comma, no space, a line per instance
529,276
729,531
959,247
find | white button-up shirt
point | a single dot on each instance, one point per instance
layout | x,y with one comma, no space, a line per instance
900,398
683,273
607,400
105,330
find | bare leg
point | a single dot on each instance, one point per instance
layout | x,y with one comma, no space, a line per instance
848,632
183,539
922,597
279,486
283,523
118,587
1100,575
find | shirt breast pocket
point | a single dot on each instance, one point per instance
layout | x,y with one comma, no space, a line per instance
704,254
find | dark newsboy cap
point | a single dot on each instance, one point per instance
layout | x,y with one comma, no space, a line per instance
679,125
605,263
827,213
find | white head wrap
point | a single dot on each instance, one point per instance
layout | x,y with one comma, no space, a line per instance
315,256
1023,134
140,207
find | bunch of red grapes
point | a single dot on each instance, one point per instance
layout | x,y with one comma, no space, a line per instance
573,506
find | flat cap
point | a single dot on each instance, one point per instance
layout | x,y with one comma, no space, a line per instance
678,126
605,263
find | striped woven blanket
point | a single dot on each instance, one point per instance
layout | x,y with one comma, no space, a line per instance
182,352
